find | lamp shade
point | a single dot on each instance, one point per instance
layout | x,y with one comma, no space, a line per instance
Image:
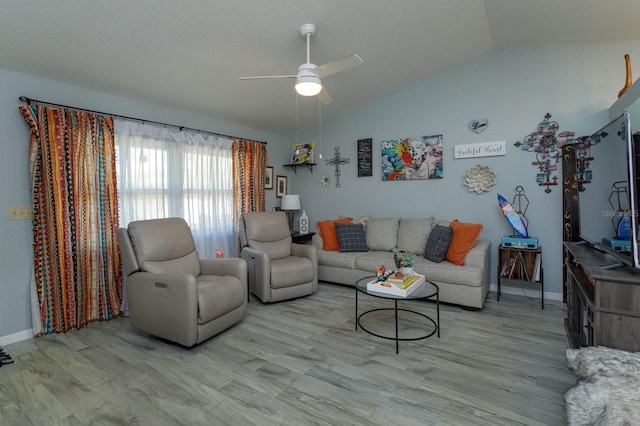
290,202
308,84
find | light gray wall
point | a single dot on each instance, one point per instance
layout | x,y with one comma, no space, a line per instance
16,254
514,89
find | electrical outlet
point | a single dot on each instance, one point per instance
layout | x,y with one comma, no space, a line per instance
20,213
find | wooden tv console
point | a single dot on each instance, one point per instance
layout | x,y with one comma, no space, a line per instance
603,305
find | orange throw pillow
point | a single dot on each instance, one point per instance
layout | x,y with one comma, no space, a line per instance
327,230
464,237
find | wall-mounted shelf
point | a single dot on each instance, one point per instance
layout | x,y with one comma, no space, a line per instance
295,166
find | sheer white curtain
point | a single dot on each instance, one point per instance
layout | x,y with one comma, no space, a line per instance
177,174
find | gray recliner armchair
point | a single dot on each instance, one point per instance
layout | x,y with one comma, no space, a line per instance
171,292
278,269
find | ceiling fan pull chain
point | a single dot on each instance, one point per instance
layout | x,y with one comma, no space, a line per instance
319,129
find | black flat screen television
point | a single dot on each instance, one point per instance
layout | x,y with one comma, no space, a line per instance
608,191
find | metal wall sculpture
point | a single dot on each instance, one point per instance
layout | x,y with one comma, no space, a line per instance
337,161
546,142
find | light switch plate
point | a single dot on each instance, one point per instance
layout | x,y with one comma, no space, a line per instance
20,213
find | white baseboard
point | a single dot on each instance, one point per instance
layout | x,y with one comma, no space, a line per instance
16,337
526,292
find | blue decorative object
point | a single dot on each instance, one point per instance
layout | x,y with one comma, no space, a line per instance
513,217
618,202
623,230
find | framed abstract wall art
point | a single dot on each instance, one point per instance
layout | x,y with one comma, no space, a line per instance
412,158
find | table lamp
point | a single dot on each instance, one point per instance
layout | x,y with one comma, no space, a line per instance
289,204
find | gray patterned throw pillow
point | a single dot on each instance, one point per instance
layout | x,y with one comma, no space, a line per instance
438,243
351,237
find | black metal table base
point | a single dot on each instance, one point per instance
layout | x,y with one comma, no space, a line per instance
395,310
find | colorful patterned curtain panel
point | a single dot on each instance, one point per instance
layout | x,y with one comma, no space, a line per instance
249,173
75,205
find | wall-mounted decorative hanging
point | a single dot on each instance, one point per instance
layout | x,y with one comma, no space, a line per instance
521,204
268,179
281,186
337,161
545,143
324,180
583,160
365,157
412,158
483,149
302,153
479,126
479,179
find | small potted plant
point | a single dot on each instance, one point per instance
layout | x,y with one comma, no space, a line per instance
404,262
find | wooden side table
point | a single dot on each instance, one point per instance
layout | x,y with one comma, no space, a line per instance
520,264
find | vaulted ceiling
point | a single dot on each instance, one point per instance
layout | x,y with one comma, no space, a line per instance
188,54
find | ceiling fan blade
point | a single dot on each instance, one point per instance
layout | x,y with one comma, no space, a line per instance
325,97
339,65
261,77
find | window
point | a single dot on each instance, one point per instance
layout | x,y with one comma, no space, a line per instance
181,174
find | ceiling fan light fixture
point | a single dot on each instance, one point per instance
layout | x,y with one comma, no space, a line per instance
308,77
308,84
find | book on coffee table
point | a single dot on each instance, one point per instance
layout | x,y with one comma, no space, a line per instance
402,280
402,288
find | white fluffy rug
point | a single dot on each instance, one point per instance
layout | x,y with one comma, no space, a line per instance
608,389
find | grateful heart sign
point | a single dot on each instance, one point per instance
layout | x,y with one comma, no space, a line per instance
478,126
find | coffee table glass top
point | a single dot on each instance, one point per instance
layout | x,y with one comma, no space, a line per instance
428,289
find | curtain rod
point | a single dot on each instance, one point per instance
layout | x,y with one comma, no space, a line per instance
29,101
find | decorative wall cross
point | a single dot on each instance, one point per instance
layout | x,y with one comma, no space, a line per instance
545,143
337,160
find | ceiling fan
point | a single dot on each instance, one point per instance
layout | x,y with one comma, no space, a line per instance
308,81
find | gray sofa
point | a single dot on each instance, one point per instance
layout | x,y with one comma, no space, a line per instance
465,285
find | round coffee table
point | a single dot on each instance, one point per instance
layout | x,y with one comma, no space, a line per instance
428,290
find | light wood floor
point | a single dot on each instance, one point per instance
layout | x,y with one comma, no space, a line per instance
301,362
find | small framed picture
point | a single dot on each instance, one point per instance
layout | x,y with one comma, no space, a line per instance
268,180
281,186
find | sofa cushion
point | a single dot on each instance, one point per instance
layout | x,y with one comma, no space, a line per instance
464,237
373,259
337,259
447,272
351,237
382,234
438,243
362,220
268,232
218,295
413,234
189,264
327,231
164,245
291,271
